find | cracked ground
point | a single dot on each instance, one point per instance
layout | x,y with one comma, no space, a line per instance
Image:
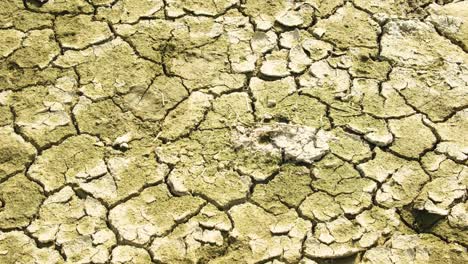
233,131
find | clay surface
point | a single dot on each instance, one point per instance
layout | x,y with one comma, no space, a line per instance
233,131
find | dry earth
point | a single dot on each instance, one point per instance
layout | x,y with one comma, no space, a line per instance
233,131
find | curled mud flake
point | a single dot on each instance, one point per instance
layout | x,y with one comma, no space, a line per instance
301,16
458,216
298,59
443,199
289,19
240,34
341,237
317,49
293,38
382,221
263,42
243,61
276,64
299,143
335,239
275,68
306,260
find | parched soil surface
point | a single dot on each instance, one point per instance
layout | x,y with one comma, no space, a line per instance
233,131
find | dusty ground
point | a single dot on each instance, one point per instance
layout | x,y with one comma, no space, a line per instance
233,131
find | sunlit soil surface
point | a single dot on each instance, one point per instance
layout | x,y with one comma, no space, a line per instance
233,131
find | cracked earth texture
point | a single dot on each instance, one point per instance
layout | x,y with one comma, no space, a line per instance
233,131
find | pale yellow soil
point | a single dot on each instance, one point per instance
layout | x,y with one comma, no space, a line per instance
233,131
